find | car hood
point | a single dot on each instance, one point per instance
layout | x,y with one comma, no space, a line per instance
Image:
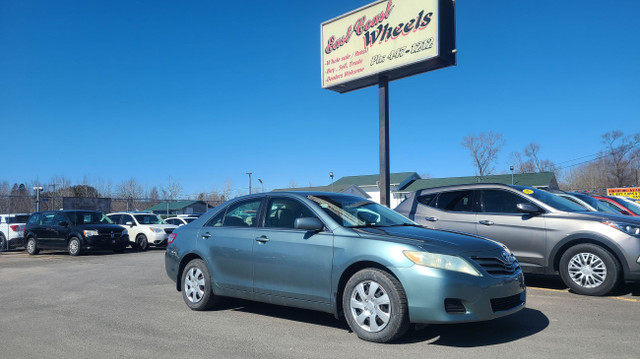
598,216
435,240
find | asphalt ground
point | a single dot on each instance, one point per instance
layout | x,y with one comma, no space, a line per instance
105,305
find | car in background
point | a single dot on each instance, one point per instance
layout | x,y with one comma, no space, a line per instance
597,205
575,200
74,230
624,207
592,251
11,230
144,228
180,220
343,255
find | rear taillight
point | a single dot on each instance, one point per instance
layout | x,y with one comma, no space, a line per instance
14,228
172,237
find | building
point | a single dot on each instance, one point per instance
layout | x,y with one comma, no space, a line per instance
179,207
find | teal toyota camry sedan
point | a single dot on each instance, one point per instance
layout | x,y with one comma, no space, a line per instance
344,255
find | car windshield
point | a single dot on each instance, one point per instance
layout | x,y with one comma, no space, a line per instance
552,200
88,218
149,219
353,212
189,220
599,206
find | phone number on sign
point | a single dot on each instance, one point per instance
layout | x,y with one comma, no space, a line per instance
399,52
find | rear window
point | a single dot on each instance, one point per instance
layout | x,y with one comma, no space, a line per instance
459,201
19,218
426,199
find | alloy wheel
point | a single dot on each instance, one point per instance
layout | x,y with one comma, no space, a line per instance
587,270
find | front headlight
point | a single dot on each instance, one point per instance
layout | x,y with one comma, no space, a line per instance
156,230
631,229
90,232
442,261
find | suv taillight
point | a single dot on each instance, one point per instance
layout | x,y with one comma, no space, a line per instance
14,228
172,237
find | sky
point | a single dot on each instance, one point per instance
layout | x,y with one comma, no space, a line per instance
202,92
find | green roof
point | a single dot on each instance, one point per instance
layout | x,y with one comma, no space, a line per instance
173,206
360,181
542,179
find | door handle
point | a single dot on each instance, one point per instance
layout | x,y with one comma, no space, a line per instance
431,219
206,235
486,223
262,239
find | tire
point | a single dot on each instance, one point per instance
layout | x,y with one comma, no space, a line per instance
141,242
75,246
4,246
32,246
196,286
589,269
375,306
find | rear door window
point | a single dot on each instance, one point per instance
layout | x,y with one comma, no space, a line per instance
457,201
498,201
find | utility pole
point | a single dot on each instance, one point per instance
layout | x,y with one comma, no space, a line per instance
249,173
37,189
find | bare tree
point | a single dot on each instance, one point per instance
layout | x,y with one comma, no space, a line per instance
484,150
531,161
293,184
621,157
129,190
172,190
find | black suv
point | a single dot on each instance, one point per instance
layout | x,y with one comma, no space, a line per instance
75,230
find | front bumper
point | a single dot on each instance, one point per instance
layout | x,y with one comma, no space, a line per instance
440,296
105,242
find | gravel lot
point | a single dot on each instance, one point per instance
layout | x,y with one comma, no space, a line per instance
105,305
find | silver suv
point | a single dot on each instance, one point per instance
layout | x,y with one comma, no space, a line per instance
592,251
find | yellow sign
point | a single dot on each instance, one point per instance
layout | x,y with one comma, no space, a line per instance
631,192
527,191
381,38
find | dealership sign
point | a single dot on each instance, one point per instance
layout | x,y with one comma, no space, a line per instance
391,38
631,192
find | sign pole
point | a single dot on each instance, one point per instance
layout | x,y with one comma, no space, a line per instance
383,108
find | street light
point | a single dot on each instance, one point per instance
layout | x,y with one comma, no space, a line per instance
331,175
37,189
261,184
249,173
511,168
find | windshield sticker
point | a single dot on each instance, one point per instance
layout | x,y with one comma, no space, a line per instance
527,191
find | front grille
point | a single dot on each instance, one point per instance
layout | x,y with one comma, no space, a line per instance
168,230
496,266
506,303
454,306
116,234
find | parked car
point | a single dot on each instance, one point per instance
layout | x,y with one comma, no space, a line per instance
575,200
74,230
592,251
144,228
343,255
624,207
598,205
180,221
11,230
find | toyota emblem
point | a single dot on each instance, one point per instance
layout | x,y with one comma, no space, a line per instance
506,257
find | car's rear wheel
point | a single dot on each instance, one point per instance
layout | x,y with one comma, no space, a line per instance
32,246
141,242
589,269
4,246
196,286
75,246
375,306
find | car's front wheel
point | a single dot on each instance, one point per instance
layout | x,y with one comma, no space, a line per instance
3,243
141,242
375,306
32,246
196,286
75,246
589,269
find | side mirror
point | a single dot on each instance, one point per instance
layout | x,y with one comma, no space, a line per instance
528,208
308,223
63,224
130,224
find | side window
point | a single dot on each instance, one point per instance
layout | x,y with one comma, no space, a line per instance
498,201
244,214
216,221
282,212
426,199
115,218
59,219
458,201
47,219
128,218
34,219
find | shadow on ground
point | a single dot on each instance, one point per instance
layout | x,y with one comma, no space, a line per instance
525,323
554,282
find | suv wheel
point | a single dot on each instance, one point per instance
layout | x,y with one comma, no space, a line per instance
32,246
75,246
141,242
196,286
589,269
375,306
3,243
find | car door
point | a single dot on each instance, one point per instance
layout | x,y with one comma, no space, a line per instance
452,210
524,233
227,239
292,262
45,232
60,230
